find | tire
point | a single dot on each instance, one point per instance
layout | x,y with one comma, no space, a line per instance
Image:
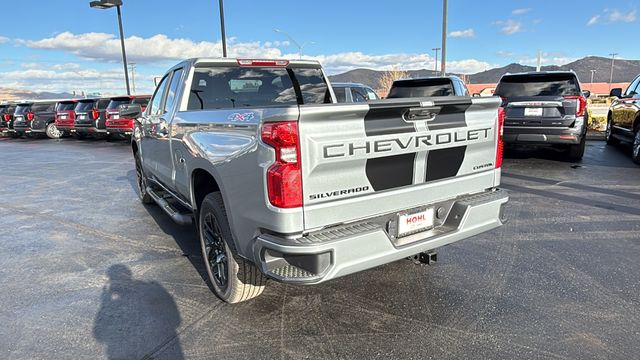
608,134
53,132
635,154
233,279
576,152
141,181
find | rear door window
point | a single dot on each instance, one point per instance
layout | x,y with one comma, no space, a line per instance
103,103
359,94
36,108
341,94
173,90
66,106
22,109
538,85
143,102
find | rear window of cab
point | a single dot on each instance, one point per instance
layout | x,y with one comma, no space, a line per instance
237,87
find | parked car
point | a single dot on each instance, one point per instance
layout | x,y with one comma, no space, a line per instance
91,117
545,108
353,92
65,115
623,119
284,185
427,87
36,118
123,126
6,117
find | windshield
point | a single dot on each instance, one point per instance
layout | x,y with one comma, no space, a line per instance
84,106
234,87
421,88
538,85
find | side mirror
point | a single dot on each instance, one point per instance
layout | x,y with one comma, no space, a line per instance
616,92
586,93
130,111
476,95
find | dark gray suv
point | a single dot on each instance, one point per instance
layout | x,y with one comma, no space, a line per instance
353,92
545,108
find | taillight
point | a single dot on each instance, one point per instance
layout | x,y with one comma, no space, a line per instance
6,117
30,116
284,177
500,145
582,104
95,114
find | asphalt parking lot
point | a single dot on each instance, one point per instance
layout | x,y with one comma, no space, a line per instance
86,271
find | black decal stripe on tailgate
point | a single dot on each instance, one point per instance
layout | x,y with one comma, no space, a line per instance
393,171
445,163
390,172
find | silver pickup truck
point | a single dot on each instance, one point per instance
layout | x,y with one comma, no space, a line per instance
284,183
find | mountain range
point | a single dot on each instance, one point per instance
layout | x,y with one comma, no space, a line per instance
623,71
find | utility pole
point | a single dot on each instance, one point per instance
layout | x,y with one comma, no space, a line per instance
539,67
435,65
613,59
443,66
593,71
132,65
224,37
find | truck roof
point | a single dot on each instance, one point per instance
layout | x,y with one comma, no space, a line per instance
448,77
554,72
235,61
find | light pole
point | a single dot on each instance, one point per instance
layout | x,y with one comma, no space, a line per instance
443,66
108,4
133,76
593,71
435,69
613,59
224,36
297,44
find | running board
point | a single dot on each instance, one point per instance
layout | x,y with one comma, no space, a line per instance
178,217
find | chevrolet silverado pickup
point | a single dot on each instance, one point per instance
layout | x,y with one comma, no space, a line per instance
284,183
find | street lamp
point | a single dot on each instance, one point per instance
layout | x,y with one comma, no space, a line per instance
108,4
593,71
445,7
297,44
436,64
613,59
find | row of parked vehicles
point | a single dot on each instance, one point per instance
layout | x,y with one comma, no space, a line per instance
96,117
541,108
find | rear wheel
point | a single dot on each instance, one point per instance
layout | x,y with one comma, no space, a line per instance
636,147
608,134
233,278
53,132
141,181
576,152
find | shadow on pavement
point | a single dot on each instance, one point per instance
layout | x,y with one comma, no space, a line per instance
134,314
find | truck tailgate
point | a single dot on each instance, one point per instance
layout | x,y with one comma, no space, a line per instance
364,160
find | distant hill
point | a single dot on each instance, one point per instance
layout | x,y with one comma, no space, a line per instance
17,94
624,71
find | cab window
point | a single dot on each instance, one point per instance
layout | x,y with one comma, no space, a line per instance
155,105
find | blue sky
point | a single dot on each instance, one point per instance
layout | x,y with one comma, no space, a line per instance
65,45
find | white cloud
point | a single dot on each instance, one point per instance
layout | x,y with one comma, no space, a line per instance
616,15
503,53
4,39
594,20
468,33
521,11
610,16
510,26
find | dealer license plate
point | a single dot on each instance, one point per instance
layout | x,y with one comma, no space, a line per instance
532,111
415,222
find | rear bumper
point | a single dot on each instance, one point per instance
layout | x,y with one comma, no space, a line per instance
348,249
123,131
89,130
543,135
